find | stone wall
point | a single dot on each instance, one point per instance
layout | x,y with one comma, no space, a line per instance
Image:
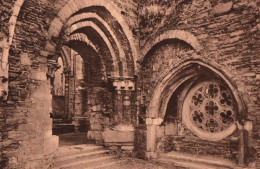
177,137
223,32
5,14
30,91
27,129
160,62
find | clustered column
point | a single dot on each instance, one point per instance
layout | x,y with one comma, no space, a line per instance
124,100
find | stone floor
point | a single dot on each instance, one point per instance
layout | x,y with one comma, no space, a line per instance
91,156
134,163
76,151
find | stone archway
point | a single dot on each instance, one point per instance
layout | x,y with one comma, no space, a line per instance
104,18
178,86
99,33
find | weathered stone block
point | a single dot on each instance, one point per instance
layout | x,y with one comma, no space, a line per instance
115,148
25,59
171,129
95,135
44,53
160,131
223,7
128,148
118,136
96,108
38,75
51,144
96,126
123,128
48,133
151,137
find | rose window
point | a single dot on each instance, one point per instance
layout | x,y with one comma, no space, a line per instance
209,110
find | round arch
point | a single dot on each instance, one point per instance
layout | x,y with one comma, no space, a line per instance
84,38
172,34
74,27
77,18
73,6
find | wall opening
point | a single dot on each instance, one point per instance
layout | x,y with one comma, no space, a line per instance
199,112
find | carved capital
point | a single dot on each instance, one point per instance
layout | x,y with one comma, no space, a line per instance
156,122
52,67
123,83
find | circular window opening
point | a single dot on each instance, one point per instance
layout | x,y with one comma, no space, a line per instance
209,110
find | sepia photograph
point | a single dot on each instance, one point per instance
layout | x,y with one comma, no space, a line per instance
129,84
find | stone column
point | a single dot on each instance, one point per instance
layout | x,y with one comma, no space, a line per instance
122,129
3,84
67,114
127,118
244,131
118,116
151,124
124,89
4,53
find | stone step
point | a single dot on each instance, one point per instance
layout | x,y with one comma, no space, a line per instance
83,156
77,149
189,165
194,161
88,163
106,165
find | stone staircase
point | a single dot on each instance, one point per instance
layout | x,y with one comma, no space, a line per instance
84,156
184,160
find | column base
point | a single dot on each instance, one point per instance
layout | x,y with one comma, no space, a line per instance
151,155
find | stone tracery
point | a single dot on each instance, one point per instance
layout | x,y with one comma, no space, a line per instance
207,109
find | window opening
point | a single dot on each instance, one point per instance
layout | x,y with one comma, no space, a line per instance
209,110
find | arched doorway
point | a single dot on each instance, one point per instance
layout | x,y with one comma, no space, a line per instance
97,32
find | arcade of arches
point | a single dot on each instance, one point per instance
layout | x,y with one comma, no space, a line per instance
149,77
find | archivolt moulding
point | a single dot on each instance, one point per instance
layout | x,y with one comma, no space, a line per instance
73,6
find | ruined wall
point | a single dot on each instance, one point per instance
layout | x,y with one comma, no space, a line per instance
5,14
28,140
25,116
129,11
227,33
161,60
